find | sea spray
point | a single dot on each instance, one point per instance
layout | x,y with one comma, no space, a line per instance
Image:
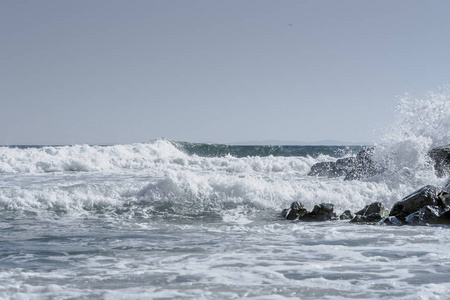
419,125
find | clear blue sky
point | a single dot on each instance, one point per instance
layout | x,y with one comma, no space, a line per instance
213,71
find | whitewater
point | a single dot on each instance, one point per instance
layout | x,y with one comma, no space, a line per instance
166,219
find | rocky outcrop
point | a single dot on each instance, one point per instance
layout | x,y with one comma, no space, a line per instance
297,210
441,159
426,206
364,166
371,213
424,216
333,169
321,212
390,221
351,168
375,207
322,169
347,215
367,219
444,218
429,196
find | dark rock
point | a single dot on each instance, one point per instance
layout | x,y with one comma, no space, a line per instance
364,166
342,166
346,162
332,169
321,169
372,218
424,216
444,218
296,210
441,160
347,215
321,212
426,196
391,221
375,207
359,167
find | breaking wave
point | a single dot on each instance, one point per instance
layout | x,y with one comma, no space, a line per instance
420,125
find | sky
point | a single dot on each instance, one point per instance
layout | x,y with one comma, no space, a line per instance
106,71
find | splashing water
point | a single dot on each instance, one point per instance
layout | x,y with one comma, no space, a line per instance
420,125
179,220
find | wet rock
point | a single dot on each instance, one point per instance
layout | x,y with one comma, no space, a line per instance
296,210
372,218
375,207
441,159
424,216
359,167
346,215
342,166
321,169
372,213
426,196
391,221
364,166
332,169
444,218
321,212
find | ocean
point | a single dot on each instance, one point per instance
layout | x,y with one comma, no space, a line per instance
178,220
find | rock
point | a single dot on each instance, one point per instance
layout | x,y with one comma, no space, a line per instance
296,210
321,169
364,167
424,216
426,196
444,218
346,215
372,218
332,169
359,167
372,213
342,166
391,221
441,159
321,212
375,207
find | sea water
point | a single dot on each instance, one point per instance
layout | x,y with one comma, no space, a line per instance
166,220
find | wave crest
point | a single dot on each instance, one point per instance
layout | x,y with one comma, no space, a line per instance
419,126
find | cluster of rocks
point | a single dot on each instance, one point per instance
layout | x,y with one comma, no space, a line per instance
320,212
429,205
363,166
359,167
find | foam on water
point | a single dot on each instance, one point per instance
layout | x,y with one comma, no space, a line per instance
152,220
156,174
250,185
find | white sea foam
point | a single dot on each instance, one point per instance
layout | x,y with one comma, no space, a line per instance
159,154
90,222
